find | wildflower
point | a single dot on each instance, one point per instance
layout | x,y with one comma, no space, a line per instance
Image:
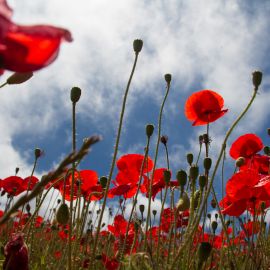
27,48
204,107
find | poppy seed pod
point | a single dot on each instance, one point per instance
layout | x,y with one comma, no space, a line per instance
167,176
189,158
164,139
204,252
18,77
214,226
266,150
75,94
207,162
137,45
62,215
149,130
213,203
181,178
183,203
257,78
240,162
194,172
103,181
202,181
38,153
141,207
168,78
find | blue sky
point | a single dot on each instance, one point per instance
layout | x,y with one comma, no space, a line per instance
203,44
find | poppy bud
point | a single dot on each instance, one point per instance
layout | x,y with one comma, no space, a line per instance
38,153
103,181
204,252
268,131
168,78
181,178
62,215
154,212
58,201
266,150
149,130
202,181
197,195
28,207
183,203
194,172
137,45
167,176
209,215
18,78
216,216
164,139
240,162
213,203
17,170
200,139
189,158
16,253
257,78
75,94
214,226
207,162
141,207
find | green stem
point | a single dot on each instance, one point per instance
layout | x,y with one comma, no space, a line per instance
114,156
155,160
4,84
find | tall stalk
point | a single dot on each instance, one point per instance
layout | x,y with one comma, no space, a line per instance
137,46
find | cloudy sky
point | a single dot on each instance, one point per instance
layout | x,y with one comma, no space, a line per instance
203,44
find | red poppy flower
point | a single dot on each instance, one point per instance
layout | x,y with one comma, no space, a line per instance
13,185
129,167
204,107
110,264
246,146
27,48
125,190
84,181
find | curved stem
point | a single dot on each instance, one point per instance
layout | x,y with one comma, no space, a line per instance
114,155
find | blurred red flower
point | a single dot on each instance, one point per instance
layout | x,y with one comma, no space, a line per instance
204,107
27,48
246,146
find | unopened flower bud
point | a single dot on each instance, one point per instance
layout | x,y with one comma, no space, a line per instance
18,77
38,153
141,207
213,203
183,203
103,181
204,252
154,212
164,139
28,207
137,45
168,78
266,150
62,215
75,94
167,176
268,131
214,226
17,170
240,162
194,172
197,195
189,158
149,130
181,178
209,215
202,181
257,78
207,162
200,139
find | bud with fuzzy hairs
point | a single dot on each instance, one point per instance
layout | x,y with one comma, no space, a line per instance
257,78
18,77
16,253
